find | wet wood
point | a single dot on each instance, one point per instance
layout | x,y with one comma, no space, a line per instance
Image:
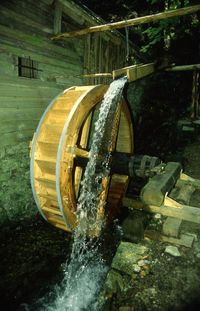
185,193
185,179
57,176
130,22
171,227
94,75
155,191
134,72
183,212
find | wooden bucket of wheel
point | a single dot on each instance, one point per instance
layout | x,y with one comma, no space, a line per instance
64,132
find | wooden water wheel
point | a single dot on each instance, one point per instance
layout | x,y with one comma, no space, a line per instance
63,134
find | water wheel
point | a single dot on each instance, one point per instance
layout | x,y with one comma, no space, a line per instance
63,134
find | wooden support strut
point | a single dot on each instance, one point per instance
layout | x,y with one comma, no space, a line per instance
184,212
184,67
130,22
170,207
135,72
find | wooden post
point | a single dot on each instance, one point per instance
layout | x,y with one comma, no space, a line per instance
130,22
57,18
195,96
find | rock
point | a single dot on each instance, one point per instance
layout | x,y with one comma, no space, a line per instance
172,250
197,246
127,257
136,268
157,216
143,262
194,235
145,298
114,282
133,228
198,255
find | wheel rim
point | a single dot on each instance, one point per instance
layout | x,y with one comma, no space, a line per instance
54,178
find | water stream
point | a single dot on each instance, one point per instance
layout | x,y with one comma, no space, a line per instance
86,269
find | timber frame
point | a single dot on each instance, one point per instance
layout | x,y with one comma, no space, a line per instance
130,22
171,207
176,213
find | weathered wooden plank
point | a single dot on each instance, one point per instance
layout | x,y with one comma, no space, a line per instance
185,240
57,18
135,72
183,212
27,51
30,9
75,12
185,193
15,137
184,67
9,91
17,125
21,102
9,48
43,45
54,73
20,114
130,22
12,81
171,227
10,15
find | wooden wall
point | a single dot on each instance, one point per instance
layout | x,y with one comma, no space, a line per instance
25,30
103,54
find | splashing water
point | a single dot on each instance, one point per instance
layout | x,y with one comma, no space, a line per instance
86,270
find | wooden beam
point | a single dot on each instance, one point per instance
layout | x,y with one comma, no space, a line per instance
183,212
185,239
134,72
185,179
82,16
130,22
184,67
95,75
57,18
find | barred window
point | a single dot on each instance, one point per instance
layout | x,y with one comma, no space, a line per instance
28,68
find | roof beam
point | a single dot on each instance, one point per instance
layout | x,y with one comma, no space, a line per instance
130,22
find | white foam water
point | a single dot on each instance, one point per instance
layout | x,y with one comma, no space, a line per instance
86,270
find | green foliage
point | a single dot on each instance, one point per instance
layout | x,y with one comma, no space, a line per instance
162,34
154,35
152,1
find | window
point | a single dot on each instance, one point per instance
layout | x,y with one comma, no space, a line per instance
27,68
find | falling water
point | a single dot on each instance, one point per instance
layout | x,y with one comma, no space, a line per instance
86,269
